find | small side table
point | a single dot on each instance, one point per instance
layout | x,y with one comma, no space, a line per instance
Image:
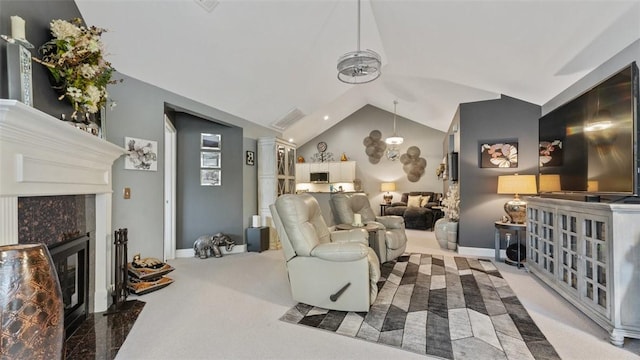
516,228
373,234
383,208
437,214
258,239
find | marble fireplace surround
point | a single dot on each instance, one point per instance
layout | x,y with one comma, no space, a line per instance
42,156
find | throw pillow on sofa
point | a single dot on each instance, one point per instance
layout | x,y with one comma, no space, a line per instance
414,201
424,201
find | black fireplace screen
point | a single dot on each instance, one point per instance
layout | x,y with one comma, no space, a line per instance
71,260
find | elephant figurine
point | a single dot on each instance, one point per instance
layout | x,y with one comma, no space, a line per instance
218,240
203,246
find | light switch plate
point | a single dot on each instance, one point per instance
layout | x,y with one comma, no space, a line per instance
127,193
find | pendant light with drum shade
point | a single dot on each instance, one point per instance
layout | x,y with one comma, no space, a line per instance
394,141
360,66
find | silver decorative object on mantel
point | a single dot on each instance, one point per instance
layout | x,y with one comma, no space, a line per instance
19,63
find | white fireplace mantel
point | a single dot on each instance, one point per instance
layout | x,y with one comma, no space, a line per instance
41,155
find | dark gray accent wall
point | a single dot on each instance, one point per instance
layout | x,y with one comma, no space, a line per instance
498,120
347,136
208,209
37,15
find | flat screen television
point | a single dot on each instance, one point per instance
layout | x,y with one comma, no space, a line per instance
590,143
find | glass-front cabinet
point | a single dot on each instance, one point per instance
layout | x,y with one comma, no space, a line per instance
541,249
580,265
584,252
594,263
276,176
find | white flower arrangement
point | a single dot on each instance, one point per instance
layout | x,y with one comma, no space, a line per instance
75,60
451,203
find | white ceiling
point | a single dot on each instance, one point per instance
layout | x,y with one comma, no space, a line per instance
259,59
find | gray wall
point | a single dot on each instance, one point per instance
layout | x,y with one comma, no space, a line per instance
617,62
347,136
139,113
37,15
208,209
502,119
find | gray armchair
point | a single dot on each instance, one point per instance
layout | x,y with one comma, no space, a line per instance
390,240
332,270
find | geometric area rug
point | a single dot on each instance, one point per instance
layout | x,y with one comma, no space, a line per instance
441,306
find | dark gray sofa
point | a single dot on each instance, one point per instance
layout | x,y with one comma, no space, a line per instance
420,218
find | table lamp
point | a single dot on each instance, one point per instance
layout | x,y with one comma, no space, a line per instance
549,183
389,186
516,184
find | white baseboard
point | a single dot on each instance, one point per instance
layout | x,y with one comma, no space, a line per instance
480,252
187,253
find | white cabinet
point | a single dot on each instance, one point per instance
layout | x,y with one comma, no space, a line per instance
347,171
334,172
590,254
276,176
339,172
302,173
318,167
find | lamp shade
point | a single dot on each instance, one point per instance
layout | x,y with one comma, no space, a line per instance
388,186
549,182
517,184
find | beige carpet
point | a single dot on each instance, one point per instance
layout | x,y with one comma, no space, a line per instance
228,308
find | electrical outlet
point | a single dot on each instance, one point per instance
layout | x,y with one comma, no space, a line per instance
127,193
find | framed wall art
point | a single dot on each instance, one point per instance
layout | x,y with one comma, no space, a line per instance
550,153
142,154
210,159
251,158
496,154
210,141
210,177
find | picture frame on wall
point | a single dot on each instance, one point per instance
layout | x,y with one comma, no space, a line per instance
550,152
499,154
251,158
210,159
141,154
209,177
210,141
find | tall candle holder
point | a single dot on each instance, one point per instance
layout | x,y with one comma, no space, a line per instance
19,69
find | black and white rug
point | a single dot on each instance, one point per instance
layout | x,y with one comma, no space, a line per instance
445,306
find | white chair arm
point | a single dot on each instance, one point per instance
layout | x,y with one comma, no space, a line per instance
353,235
391,221
341,251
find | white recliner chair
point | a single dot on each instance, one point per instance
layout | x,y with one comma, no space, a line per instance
332,270
391,238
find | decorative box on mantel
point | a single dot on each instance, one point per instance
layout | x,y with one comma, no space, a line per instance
40,156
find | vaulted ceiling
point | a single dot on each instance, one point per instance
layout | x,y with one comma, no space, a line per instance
261,59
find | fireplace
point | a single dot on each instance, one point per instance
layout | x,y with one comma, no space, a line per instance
71,261
42,156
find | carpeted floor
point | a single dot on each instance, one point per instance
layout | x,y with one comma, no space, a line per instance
451,307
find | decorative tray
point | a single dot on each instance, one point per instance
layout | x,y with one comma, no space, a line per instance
145,273
140,287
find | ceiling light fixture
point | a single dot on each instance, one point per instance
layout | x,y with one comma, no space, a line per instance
360,66
395,139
